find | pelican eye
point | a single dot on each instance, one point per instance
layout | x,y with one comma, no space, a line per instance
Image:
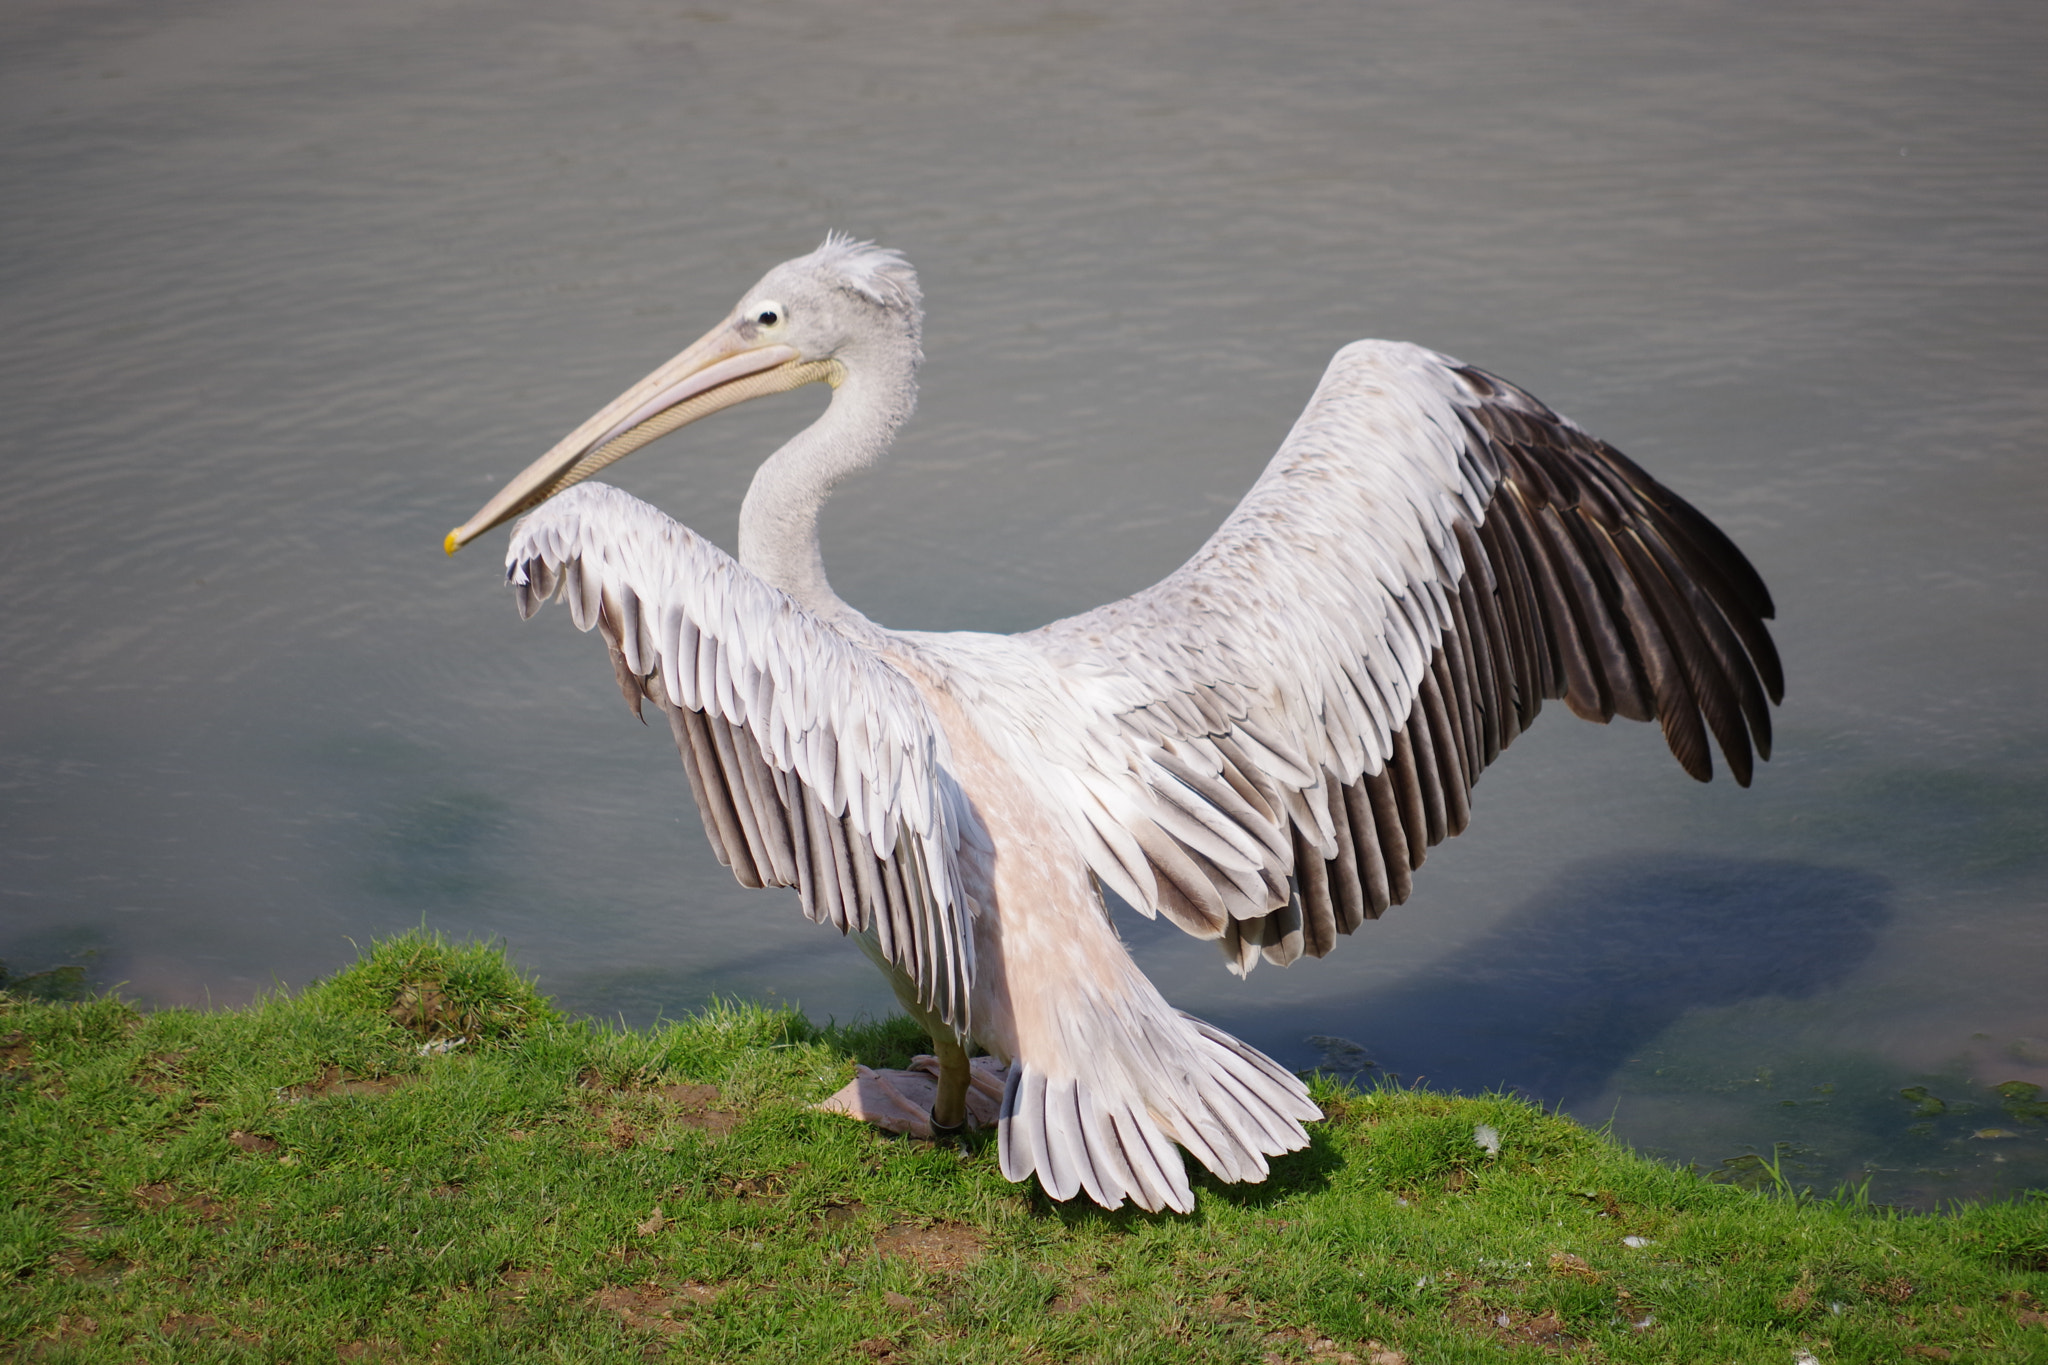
768,315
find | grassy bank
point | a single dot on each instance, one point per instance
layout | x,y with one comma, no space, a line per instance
331,1175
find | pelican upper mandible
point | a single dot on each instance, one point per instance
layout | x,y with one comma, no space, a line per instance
1262,746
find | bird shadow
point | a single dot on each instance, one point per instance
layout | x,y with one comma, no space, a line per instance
1304,1171
1583,974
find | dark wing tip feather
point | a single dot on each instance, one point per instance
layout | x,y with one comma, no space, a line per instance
1637,585
1555,568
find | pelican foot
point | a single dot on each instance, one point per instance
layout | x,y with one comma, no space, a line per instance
902,1101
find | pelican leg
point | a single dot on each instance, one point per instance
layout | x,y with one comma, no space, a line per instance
949,1105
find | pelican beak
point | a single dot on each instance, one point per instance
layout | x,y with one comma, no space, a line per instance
722,368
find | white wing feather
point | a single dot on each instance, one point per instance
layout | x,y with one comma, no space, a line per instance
713,645
1430,554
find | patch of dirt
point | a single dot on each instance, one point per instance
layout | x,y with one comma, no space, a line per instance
628,1113
422,1008
1509,1325
653,1307
71,1327
759,1188
942,1248
250,1142
76,1263
878,1349
900,1303
160,1194
514,1287
1087,1293
1326,1350
378,1352
1546,1330
160,1073
696,1106
1894,1291
1610,1207
1925,1352
16,1051
334,1081
1233,1304
71,1263
839,1215
188,1326
1572,1267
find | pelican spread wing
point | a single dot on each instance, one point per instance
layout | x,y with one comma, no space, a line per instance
814,765
1432,553
1263,746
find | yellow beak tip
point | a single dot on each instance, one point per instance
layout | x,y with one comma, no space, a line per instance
453,542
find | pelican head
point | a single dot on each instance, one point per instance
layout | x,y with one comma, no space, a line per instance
849,307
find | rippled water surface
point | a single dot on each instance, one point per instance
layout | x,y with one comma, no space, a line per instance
291,288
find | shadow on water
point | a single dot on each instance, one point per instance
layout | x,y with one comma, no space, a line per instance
1565,990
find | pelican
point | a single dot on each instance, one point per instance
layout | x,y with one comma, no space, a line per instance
1262,747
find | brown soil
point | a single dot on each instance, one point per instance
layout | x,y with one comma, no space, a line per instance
760,1188
424,1009
838,1215
1509,1325
653,1307
160,1073
1295,1342
942,1248
188,1326
696,1106
629,1113
161,1195
70,1327
514,1286
334,1081
1572,1267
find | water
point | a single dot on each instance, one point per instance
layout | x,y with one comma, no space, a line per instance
291,288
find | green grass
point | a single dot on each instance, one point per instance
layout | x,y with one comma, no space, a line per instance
299,1180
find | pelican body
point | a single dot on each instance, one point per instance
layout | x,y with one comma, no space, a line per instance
1262,747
